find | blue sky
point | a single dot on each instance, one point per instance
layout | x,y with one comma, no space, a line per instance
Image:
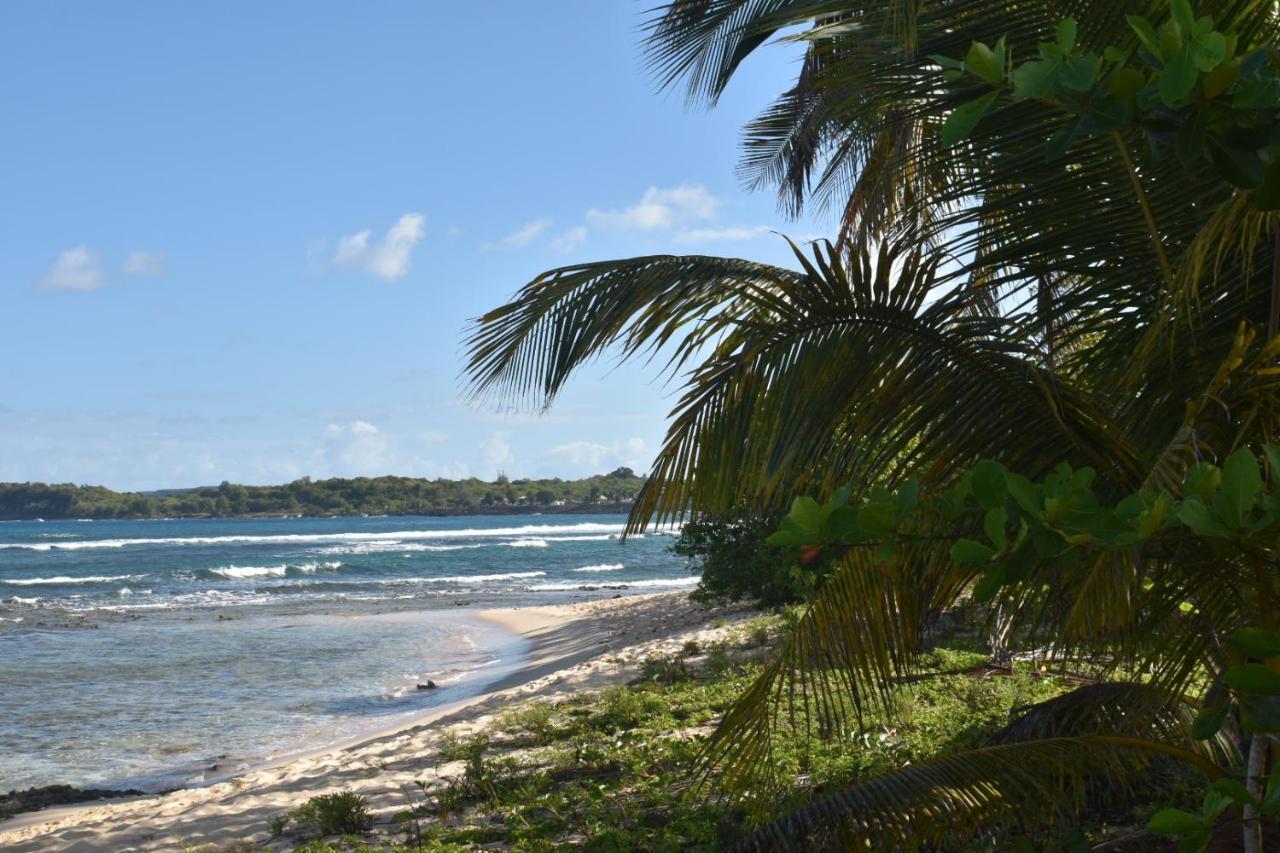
243,240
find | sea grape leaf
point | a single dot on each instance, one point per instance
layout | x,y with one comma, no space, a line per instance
965,118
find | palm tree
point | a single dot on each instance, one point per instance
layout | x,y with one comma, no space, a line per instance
979,300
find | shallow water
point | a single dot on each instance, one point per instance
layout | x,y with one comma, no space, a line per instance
159,653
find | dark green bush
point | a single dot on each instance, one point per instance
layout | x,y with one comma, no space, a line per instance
336,814
730,554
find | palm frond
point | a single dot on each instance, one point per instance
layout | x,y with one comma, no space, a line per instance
977,793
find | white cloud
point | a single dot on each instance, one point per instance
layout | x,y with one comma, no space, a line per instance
497,450
570,240
145,263
357,449
632,452
389,259
733,232
75,269
519,238
434,436
659,208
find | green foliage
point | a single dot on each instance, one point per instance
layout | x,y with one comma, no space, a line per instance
361,495
1203,93
734,562
342,813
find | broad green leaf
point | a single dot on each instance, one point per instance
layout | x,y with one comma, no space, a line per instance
1252,678
988,483
1215,803
970,551
908,496
785,539
1195,842
1209,722
1182,14
1035,79
1125,83
965,118
1272,452
1079,73
808,514
989,584
1106,113
1146,34
1241,167
877,518
1241,482
983,62
1235,791
1219,80
1178,77
1024,492
1255,643
1208,51
1066,36
1175,822
839,497
1202,520
994,526
842,525
1201,481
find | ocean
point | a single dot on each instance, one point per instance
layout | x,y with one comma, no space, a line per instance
164,653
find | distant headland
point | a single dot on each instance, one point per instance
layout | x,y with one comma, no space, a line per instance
603,493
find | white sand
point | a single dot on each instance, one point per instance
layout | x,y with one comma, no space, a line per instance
574,647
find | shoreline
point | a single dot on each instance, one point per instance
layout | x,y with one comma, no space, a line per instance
570,647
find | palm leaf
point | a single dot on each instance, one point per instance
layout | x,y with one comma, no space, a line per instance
975,793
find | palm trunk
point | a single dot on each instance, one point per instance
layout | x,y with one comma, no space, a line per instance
1255,772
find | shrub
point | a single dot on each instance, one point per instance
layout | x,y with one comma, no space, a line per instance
730,554
278,824
664,670
336,814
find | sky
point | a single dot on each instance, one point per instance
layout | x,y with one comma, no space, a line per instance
244,241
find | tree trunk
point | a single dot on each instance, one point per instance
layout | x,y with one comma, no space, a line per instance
1255,772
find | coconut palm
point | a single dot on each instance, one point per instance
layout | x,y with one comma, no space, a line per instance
1100,304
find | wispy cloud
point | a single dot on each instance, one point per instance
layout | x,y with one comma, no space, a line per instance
389,259
75,269
571,239
497,450
734,233
593,456
659,208
145,263
519,238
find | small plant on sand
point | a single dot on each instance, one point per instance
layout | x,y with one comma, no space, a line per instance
534,719
664,670
690,649
336,814
278,825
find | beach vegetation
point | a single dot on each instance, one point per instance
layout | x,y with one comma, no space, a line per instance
341,813
734,562
1055,283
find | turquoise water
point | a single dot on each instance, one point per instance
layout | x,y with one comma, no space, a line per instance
160,653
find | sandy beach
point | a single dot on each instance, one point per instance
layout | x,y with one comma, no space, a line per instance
573,647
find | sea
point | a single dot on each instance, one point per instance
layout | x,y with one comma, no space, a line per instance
167,653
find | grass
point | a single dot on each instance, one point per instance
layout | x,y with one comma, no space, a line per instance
610,770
